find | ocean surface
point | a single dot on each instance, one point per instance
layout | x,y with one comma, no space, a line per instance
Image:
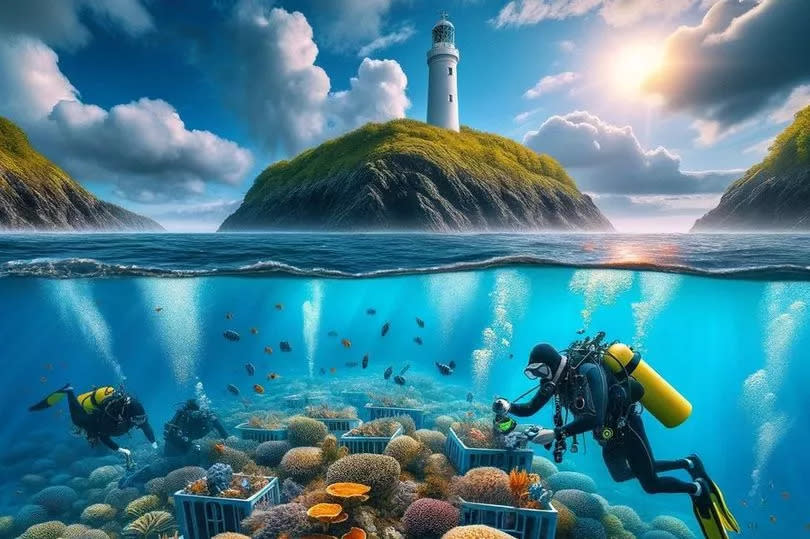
724,318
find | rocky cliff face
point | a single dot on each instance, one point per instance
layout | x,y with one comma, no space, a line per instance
405,175
773,195
35,194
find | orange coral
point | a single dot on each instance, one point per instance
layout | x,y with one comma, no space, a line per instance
519,484
325,511
347,490
219,448
354,533
200,487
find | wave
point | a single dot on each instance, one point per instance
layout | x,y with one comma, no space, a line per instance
72,268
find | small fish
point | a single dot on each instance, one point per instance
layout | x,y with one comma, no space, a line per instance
346,343
158,309
332,370
251,370
785,495
405,369
42,379
323,371
258,389
351,363
365,361
279,306
445,370
228,316
418,340
511,356
332,333
399,380
385,328
233,389
284,346
420,322
469,397
763,500
388,372
268,349
231,335
371,311
770,484
273,376
580,331
254,331
772,518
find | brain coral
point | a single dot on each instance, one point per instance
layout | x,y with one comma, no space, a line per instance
581,503
543,467
32,481
438,464
98,513
613,526
427,517
475,532
6,526
60,479
404,495
302,464
434,439
30,514
142,505
103,475
75,530
657,534
119,498
178,479
94,534
566,519
590,528
443,422
288,518
380,472
271,453
571,480
483,485
56,500
305,431
234,458
404,449
47,530
408,425
675,526
630,519
156,486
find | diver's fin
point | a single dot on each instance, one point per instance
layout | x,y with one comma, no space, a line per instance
50,400
710,522
698,471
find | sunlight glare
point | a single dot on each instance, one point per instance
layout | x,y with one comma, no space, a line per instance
632,65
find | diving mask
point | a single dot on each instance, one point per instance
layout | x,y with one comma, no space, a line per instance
533,371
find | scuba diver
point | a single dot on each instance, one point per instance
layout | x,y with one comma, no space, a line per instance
188,424
604,388
102,413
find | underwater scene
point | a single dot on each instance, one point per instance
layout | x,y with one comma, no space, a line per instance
342,379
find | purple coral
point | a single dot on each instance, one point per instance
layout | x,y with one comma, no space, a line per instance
290,518
427,517
219,477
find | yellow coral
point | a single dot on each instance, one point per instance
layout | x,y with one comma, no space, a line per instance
475,532
566,519
75,530
142,505
98,513
47,530
151,523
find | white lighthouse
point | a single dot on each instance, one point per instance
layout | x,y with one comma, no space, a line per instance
442,59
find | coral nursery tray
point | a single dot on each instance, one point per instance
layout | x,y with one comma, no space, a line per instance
301,400
464,458
367,444
339,426
518,522
358,399
203,517
259,434
379,412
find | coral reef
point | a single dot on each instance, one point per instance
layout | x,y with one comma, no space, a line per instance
331,450
179,478
30,514
581,503
98,513
410,453
6,526
156,486
270,453
675,526
571,480
404,495
56,500
324,411
630,519
234,458
290,490
104,475
657,534
46,530
119,498
75,530
614,529
219,478
268,421
408,425
483,485
439,464
476,531
302,464
443,422
427,517
305,431
590,528
152,523
378,428
142,505
380,472
566,519
433,439
290,518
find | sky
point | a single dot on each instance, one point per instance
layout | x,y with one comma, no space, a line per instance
171,109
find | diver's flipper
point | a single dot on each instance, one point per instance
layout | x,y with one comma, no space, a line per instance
50,400
715,495
709,520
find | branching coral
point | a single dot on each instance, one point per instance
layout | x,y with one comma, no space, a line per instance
268,421
305,431
427,517
380,472
302,464
378,428
153,523
324,411
142,505
483,485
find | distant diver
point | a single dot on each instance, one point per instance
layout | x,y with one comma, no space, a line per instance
601,386
101,414
190,423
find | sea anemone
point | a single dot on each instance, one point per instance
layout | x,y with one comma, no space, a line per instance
46,530
519,484
152,523
427,517
142,505
675,526
571,480
380,472
581,503
433,439
98,513
483,485
305,431
302,464
476,531
56,500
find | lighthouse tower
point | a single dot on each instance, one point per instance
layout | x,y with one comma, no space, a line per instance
442,59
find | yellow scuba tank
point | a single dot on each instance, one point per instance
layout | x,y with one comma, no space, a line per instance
92,399
661,399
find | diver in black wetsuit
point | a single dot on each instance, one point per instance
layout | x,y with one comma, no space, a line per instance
102,413
188,424
590,393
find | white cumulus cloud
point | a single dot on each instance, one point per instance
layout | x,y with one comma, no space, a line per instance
551,83
381,42
614,12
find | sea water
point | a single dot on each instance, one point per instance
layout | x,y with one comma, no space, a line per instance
724,319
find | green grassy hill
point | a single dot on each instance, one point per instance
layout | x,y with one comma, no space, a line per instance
408,174
35,194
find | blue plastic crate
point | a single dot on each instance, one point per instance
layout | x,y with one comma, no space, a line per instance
518,522
259,434
203,517
339,426
380,412
367,444
465,458
358,399
302,400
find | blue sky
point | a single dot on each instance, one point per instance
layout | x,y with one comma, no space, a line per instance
172,108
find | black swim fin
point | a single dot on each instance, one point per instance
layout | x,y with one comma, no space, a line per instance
708,518
50,400
698,471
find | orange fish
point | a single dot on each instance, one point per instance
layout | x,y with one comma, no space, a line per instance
258,389
346,343
772,518
219,448
279,306
254,331
268,349
273,376
332,370
785,495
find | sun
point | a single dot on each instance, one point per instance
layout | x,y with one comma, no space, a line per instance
632,65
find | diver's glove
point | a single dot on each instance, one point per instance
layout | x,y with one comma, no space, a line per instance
154,445
124,451
501,406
